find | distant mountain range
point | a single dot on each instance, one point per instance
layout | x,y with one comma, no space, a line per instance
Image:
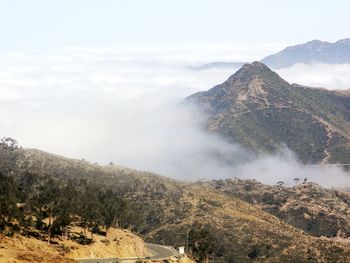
259,110
311,52
218,64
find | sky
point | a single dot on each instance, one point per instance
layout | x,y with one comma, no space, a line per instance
62,23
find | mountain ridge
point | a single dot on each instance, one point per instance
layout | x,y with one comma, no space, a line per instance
315,51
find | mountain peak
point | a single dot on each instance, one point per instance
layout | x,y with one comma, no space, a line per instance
252,83
252,80
256,65
315,42
345,41
253,71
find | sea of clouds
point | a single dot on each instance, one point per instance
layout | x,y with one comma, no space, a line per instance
125,105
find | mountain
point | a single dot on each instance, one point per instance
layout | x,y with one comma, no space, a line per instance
346,92
259,110
218,65
312,51
166,211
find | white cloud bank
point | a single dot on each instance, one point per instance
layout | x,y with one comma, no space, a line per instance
123,105
284,166
330,76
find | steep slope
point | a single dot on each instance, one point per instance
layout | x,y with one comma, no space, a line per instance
312,51
117,243
165,211
261,111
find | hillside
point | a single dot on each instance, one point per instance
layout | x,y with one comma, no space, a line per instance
259,110
53,209
164,211
118,243
307,206
20,249
312,51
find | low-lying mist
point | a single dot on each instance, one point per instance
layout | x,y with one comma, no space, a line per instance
330,76
126,106
284,166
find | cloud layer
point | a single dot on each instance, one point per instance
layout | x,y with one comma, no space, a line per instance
330,76
124,105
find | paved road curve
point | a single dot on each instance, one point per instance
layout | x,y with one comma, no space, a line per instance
157,252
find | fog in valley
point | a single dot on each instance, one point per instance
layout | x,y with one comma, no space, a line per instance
126,105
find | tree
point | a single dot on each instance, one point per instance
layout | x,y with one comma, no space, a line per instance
50,202
280,183
296,180
8,200
89,208
201,241
9,142
7,148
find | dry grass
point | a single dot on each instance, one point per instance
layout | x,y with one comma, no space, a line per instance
118,243
23,249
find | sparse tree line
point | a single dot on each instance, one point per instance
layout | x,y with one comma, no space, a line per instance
50,206
296,181
32,204
7,142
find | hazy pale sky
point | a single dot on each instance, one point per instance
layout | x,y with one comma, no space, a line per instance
62,23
